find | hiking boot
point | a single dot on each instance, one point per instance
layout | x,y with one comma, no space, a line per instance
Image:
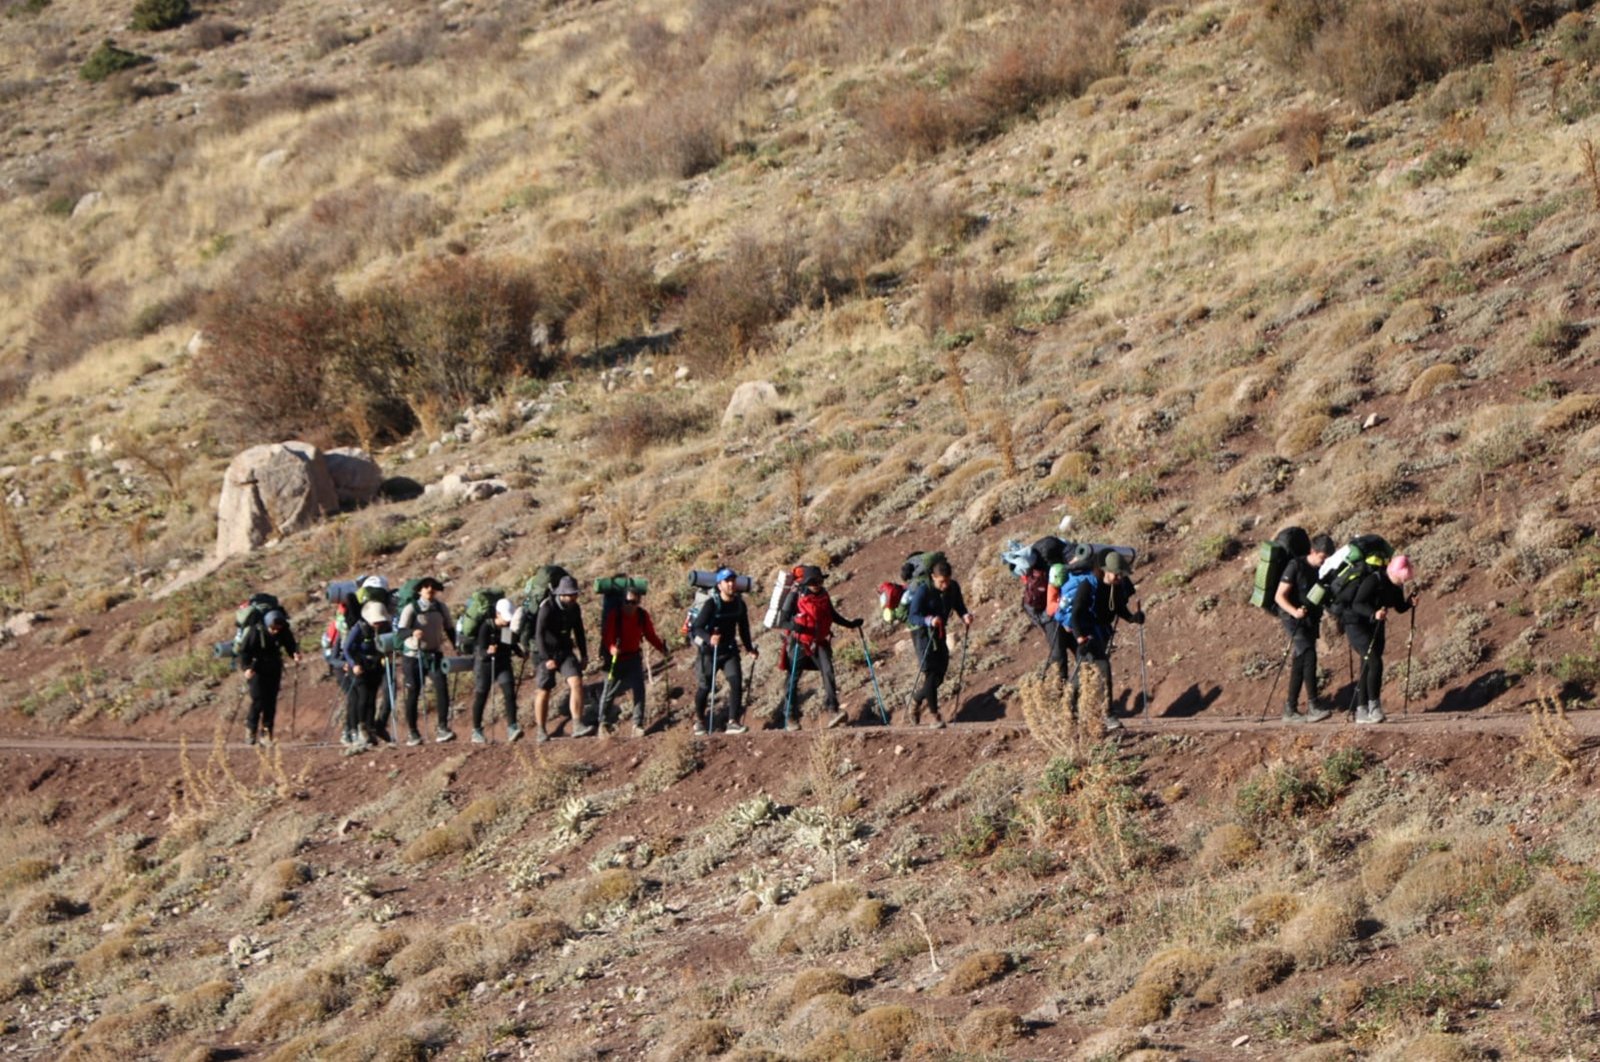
444,734
266,737
638,730
699,729
347,739
379,734
737,728
791,724
608,729
513,732
1292,716
413,740
837,719
935,720
1112,722
1374,713
1316,714
541,735
583,730
250,737
478,738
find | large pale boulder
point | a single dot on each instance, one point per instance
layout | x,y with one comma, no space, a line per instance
754,405
272,490
356,476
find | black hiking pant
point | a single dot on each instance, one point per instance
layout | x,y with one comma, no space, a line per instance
626,675
1367,640
822,656
1302,662
427,667
361,706
733,680
487,673
933,663
264,686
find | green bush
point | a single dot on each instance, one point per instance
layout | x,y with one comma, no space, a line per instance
108,59
151,16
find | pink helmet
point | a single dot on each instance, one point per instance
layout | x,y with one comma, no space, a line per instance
1400,569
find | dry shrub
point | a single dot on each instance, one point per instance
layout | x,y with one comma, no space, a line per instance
955,300
682,131
824,918
1049,711
436,990
375,951
914,121
235,112
822,1015
989,1029
427,149
1266,912
143,1026
816,982
974,972
25,872
460,834
605,891
1430,380
46,908
300,1002
1171,973
1377,51
75,316
883,1032
1386,858
1323,930
733,303
1550,744
416,957
697,1040
516,942
646,421
1573,411
1432,1047
676,756
597,290
1226,847
1246,974
1472,869
1303,132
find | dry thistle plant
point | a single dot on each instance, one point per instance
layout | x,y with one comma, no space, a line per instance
138,538
797,494
1211,195
958,383
1048,709
1551,741
1558,80
1591,169
12,534
1505,88
1005,441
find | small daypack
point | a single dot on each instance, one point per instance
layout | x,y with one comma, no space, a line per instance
1036,590
892,599
692,613
1341,574
251,614
480,608
1271,559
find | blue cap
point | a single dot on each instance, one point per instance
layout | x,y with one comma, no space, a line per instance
724,574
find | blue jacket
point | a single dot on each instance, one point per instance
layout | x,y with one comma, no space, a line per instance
361,645
924,604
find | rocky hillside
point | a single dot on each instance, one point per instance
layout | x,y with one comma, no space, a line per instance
679,283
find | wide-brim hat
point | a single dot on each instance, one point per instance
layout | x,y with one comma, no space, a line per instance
1114,562
375,612
567,587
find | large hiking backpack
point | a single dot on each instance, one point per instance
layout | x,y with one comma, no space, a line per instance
815,612
786,583
251,614
1341,574
541,586
1271,559
480,609
692,613
918,567
613,591
1065,615
375,589
408,594
915,573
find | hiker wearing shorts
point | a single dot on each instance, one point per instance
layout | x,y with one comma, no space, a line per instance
561,650
927,611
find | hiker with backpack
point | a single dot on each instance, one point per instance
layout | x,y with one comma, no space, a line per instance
624,629
720,625
494,664
1114,600
929,604
1363,610
261,658
1302,623
1085,616
560,649
427,627
811,635
365,659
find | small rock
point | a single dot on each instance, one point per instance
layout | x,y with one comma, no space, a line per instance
1240,1041
1372,421
682,374
272,160
899,750
87,203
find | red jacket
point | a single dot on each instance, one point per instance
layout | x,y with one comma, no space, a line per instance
629,632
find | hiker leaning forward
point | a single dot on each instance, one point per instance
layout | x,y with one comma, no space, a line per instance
719,627
1377,595
1302,622
428,627
261,658
927,611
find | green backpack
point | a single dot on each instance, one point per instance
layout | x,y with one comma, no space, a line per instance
541,585
407,594
251,614
480,607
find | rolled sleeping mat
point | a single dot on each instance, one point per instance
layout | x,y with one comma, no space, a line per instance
708,581
338,589
391,642
621,584
222,650
457,663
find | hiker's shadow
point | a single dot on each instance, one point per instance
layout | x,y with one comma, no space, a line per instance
984,707
1191,702
1479,693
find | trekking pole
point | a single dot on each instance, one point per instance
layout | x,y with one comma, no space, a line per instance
1276,675
711,702
1356,690
922,669
294,700
605,689
794,675
1410,635
1144,688
961,670
883,713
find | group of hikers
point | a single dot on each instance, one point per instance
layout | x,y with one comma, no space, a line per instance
385,646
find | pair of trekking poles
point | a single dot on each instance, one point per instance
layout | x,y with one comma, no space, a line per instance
1366,657
1053,639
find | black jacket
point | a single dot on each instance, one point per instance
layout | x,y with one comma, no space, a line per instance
558,631
262,650
1375,592
731,619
